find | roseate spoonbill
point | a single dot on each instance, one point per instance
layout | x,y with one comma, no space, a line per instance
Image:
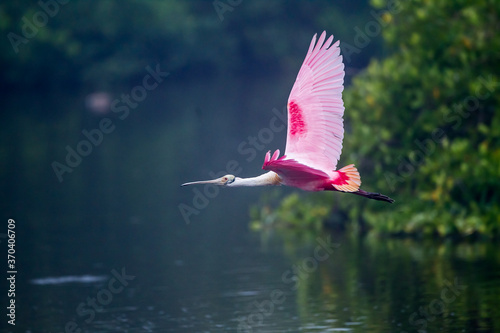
315,131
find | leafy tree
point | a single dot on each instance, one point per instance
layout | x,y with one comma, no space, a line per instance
423,124
51,44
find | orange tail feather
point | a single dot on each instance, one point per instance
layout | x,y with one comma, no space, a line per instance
348,179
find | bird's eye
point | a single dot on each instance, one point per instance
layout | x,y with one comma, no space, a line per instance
224,179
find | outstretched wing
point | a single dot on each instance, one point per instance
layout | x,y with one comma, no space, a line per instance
315,108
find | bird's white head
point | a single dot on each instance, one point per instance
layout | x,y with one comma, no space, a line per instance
222,181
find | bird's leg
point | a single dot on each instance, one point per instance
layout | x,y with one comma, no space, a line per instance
374,196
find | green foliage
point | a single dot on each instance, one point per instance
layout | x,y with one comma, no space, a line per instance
109,42
423,124
292,213
96,44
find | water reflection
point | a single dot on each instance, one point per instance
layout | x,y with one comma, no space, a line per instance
397,285
68,279
283,282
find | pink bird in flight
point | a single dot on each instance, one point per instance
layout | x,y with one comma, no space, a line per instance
315,131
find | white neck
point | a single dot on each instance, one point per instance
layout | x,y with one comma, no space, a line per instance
269,178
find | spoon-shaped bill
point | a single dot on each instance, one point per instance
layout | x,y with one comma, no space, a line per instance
213,181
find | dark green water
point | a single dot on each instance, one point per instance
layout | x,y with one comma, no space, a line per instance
134,279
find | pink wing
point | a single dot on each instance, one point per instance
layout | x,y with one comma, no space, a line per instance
315,108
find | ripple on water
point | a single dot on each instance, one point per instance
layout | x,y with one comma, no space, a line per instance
68,279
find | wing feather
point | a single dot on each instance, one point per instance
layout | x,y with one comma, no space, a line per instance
316,109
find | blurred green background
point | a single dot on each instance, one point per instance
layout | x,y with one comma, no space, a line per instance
109,106
421,95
